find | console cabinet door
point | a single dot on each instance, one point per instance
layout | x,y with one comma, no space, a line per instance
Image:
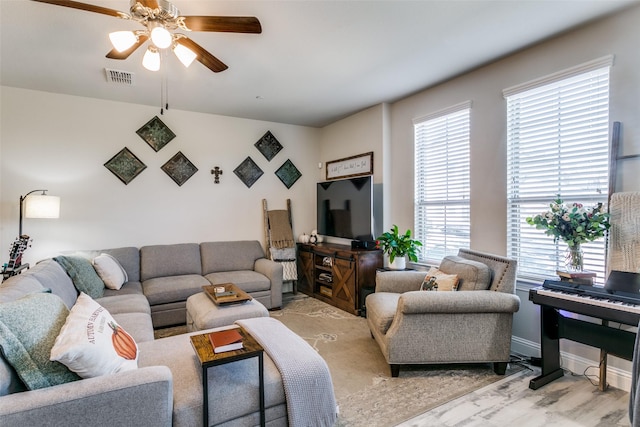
344,284
305,271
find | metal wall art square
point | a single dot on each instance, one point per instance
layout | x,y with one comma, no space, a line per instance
125,165
288,173
179,168
248,172
268,145
156,133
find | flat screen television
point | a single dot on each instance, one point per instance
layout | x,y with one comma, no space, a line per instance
345,208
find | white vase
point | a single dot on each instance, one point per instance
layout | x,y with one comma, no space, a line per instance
399,263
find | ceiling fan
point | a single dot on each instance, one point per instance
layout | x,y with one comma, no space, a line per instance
160,19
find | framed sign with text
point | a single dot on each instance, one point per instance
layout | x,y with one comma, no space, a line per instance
362,164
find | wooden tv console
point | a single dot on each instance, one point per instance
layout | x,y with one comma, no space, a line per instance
336,273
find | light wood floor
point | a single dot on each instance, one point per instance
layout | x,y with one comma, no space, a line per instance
571,401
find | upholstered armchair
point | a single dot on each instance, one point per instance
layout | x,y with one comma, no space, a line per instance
470,325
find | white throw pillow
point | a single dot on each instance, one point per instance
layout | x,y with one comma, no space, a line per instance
444,282
110,271
92,344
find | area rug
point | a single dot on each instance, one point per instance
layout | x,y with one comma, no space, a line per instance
367,395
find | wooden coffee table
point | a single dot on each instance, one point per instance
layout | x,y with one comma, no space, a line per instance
204,351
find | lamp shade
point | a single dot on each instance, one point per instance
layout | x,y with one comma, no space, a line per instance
41,206
184,54
122,40
161,37
151,59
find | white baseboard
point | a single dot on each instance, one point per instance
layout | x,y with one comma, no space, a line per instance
617,378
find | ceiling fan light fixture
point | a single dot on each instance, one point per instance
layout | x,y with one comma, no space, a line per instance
123,40
151,59
160,36
184,54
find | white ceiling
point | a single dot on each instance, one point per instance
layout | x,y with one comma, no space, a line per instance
315,61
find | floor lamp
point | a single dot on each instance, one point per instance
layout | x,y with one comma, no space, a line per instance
38,206
31,206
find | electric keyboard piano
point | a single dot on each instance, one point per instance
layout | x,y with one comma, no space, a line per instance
608,304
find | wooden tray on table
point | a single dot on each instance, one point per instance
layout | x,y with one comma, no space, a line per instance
232,294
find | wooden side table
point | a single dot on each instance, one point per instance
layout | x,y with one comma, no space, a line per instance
204,351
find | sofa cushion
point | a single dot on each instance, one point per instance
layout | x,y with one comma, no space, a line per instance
129,288
169,260
52,276
248,281
110,271
473,275
91,343
161,290
230,256
129,259
381,309
27,345
138,325
18,286
83,275
117,304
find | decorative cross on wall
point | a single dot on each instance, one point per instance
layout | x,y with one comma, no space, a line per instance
217,172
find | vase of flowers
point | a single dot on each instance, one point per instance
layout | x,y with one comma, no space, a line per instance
573,224
574,258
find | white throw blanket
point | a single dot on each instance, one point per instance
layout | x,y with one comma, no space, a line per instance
307,382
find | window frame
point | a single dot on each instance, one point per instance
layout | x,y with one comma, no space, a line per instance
538,255
452,165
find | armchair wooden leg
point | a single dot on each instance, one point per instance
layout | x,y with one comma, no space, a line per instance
395,370
500,367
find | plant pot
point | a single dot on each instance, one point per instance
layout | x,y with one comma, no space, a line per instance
399,263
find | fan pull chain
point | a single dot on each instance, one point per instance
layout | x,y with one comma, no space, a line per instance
164,88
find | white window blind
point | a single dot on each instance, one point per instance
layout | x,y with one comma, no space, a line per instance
442,208
557,143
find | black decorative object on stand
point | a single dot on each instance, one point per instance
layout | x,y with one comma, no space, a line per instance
156,133
125,165
248,172
268,145
179,168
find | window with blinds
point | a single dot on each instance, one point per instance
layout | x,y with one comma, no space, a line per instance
557,144
442,207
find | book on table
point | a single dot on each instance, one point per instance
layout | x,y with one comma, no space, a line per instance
227,340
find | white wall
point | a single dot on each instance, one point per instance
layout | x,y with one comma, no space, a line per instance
617,35
61,142
360,133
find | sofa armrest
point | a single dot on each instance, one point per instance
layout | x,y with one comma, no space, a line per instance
458,302
399,281
273,270
140,397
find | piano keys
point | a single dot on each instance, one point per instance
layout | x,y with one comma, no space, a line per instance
603,303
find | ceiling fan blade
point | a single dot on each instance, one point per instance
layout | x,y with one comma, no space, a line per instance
227,24
208,60
114,54
85,6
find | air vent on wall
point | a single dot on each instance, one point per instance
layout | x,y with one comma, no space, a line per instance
119,77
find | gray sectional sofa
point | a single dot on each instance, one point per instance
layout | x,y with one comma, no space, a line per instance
166,388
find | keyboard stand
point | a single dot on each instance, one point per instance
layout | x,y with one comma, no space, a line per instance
602,383
554,326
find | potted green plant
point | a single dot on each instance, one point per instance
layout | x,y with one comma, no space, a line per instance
398,246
